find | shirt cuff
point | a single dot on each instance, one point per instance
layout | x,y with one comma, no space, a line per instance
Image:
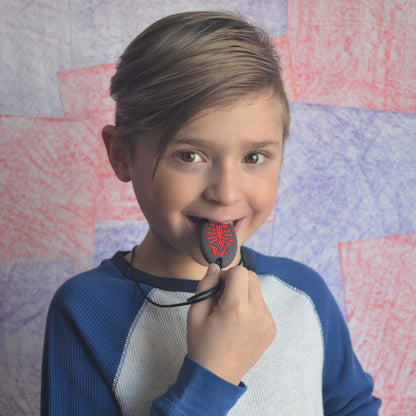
202,392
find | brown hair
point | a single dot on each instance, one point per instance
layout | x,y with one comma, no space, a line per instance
186,63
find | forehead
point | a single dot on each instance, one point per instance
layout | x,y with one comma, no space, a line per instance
257,116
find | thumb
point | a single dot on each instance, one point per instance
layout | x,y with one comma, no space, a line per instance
209,281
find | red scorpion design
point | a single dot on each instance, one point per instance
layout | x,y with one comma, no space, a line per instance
221,234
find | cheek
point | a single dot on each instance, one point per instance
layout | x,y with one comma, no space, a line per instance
265,195
173,191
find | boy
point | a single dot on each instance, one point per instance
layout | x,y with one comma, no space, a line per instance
201,121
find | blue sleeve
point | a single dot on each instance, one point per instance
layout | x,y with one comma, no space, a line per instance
347,389
197,392
73,382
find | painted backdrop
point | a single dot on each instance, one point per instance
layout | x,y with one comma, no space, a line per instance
347,193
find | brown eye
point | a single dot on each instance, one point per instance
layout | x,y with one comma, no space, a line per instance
190,157
254,158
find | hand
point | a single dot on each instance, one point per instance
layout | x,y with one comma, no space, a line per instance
229,333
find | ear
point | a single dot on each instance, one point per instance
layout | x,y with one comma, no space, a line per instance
117,153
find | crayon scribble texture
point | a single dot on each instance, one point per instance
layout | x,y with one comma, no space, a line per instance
358,53
348,173
102,30
380,289
28,285
35,44
49,178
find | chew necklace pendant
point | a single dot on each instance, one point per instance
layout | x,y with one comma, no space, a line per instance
218,243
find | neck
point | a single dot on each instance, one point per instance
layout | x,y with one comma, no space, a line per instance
169,263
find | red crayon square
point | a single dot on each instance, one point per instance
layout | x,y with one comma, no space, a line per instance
380,289
49,175
86,90
355,53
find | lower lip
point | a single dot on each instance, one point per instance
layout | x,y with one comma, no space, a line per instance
237,224
194,225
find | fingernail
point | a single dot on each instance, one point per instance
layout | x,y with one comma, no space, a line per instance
213,268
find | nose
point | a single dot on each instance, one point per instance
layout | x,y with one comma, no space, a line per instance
224,185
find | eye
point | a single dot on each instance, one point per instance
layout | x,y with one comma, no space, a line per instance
189,157
254,158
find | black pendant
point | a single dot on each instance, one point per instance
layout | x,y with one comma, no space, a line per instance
218,243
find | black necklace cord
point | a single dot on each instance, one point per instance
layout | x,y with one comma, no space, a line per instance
199,297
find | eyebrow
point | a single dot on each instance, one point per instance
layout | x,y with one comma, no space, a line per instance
254,144
265,143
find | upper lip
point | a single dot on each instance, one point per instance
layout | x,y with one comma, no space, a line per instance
212,219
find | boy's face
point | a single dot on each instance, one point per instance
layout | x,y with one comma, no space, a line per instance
222,166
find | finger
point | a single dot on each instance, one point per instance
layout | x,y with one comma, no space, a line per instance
210,280
254,290
235,286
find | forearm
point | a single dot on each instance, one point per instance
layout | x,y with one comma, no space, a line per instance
197,392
